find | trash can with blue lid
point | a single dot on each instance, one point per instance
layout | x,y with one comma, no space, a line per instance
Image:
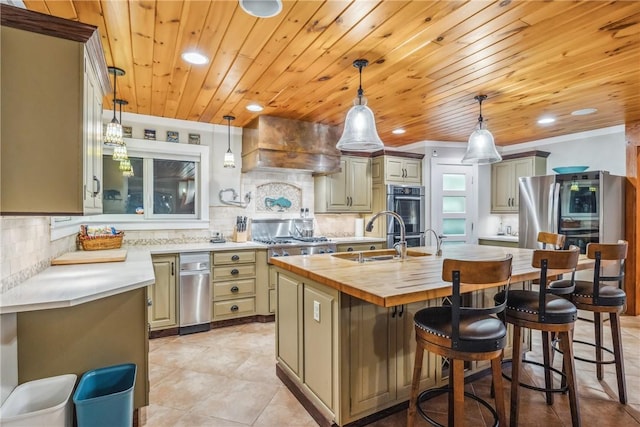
104,396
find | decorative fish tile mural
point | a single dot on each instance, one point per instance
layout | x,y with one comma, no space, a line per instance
278,197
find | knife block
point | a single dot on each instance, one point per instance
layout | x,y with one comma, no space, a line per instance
239,236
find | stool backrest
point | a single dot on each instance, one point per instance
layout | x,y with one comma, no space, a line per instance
460,272
555,240
607,252
545,260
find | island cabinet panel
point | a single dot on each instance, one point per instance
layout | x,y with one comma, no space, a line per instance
381,355
319,343
356,247
162,295
289,323
371,377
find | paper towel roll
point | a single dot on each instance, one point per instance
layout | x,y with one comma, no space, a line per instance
359,227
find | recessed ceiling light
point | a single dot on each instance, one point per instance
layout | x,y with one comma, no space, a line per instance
261,8
398,131
256,108
584,111
546,120
195,58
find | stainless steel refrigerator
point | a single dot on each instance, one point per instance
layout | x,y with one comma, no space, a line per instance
586,207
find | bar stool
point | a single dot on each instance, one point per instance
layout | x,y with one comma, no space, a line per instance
555,240
462,334
548,313
597,297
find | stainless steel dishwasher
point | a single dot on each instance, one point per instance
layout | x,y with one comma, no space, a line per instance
195,292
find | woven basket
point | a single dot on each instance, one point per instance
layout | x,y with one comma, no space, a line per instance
100,243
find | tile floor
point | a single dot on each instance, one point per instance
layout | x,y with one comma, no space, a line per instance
226,378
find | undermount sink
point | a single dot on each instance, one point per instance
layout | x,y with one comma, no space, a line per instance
377,255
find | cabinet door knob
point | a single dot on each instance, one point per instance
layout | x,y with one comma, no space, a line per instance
235,258
235,272
149,302
234,308
234,289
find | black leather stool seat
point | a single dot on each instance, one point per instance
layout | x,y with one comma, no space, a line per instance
478,333
610,296
525,305
561,287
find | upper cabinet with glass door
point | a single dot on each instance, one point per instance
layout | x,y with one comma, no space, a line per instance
51,107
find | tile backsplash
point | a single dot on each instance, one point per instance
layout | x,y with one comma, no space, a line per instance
26,248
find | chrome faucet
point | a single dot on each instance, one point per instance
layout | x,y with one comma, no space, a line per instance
438,241
401,246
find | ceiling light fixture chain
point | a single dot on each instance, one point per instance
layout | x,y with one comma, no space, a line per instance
360,64
229,160
480,98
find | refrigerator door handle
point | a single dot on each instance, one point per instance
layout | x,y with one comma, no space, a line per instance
554,206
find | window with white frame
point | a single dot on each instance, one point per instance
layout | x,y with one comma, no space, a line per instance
167,183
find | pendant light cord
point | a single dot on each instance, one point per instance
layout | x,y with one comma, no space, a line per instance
480,98
228,119
115,77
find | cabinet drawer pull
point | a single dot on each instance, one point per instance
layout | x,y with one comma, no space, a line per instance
234,289
234,308
349,249
235,258
372,247
235,272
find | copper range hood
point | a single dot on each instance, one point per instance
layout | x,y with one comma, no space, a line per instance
272,142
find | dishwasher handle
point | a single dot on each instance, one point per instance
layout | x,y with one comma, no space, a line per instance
194,266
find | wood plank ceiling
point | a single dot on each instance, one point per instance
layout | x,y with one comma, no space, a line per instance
428,59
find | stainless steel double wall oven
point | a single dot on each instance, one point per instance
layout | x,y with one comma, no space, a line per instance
408,202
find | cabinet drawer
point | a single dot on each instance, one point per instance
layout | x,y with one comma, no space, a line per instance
234,288
241,257
234,308
234,272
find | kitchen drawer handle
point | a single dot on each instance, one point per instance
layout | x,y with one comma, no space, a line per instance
234,308
235,272
372,247
349,249
234,289
235,258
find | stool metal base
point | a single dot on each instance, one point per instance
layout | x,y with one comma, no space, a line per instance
562,389
430,394
582,359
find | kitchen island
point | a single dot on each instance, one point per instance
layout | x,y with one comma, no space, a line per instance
344,329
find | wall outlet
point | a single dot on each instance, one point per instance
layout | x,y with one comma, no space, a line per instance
316,311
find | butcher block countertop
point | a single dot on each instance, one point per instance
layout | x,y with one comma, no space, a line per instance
393,282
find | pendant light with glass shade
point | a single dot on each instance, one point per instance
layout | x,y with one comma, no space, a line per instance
120,151
481,148
113,134
229,160
360,132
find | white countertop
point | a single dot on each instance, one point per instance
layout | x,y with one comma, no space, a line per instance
502,238
69,285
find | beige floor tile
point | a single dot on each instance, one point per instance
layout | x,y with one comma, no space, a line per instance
235,400
226,378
